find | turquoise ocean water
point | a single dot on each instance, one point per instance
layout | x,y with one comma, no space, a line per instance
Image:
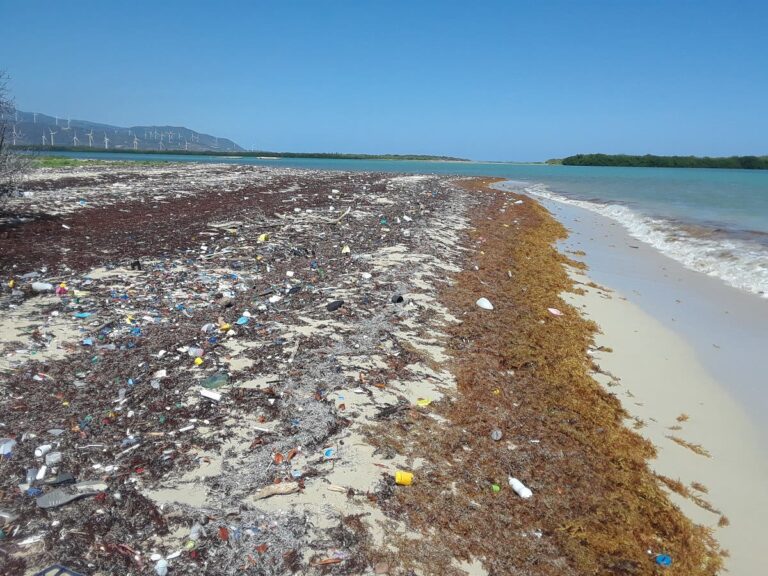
713,221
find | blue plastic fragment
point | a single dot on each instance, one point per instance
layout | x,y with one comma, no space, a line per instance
136,331
83,315
242,320
663,560
88,342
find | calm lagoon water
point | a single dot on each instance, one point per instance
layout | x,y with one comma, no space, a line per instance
713,221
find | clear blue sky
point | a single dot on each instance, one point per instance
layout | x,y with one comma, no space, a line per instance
496,80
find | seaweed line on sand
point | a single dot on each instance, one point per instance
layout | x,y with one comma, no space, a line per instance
597,508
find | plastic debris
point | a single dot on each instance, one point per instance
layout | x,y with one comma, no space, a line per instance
210,394
6,447
485,304
335,305
403,478
60,496
520,489
42,287
215,381
663,560
161,567
57,570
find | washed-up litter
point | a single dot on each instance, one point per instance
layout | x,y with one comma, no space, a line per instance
555,312
663,560
60,496
210,394
57,570
484,303
520,489
205,355
277,489
403,478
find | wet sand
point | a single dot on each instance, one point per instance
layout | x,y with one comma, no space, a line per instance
727,328
684,363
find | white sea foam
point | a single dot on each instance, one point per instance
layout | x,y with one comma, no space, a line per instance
737,262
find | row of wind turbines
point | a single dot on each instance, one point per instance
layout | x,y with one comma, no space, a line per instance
165,139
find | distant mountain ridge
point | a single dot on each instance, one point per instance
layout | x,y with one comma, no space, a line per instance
37,129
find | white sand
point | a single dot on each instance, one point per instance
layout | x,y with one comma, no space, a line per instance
661,378
683,343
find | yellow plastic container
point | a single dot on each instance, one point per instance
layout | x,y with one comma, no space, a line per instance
403,478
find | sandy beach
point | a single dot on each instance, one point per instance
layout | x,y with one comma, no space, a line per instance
685,361
240,360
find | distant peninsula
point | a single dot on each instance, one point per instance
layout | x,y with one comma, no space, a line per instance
251,154
652,161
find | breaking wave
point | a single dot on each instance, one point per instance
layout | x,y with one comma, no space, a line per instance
740,262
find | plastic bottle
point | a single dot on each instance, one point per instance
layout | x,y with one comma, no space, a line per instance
161,567
520,489
42,287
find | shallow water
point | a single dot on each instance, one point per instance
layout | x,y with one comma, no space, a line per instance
711,220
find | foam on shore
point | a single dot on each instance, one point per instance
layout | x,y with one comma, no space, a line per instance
738,262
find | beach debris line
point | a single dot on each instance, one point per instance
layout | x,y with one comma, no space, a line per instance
191,477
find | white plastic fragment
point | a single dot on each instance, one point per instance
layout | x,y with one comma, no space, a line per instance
42,287
555,312
485,304
520,489
210,394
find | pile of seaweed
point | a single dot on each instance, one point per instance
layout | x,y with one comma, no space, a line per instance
523,370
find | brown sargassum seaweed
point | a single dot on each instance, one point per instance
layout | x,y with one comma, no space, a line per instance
597,507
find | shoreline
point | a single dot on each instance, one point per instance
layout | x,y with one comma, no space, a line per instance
672,389
670,397
294,418
725,326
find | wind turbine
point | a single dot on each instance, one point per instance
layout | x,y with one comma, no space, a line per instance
52,133
67,127
56,118
106,142
90,138
75,139
135,142
34,115
45,142
15,135
186,145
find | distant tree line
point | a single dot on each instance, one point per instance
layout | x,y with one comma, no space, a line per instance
651,161
249,154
